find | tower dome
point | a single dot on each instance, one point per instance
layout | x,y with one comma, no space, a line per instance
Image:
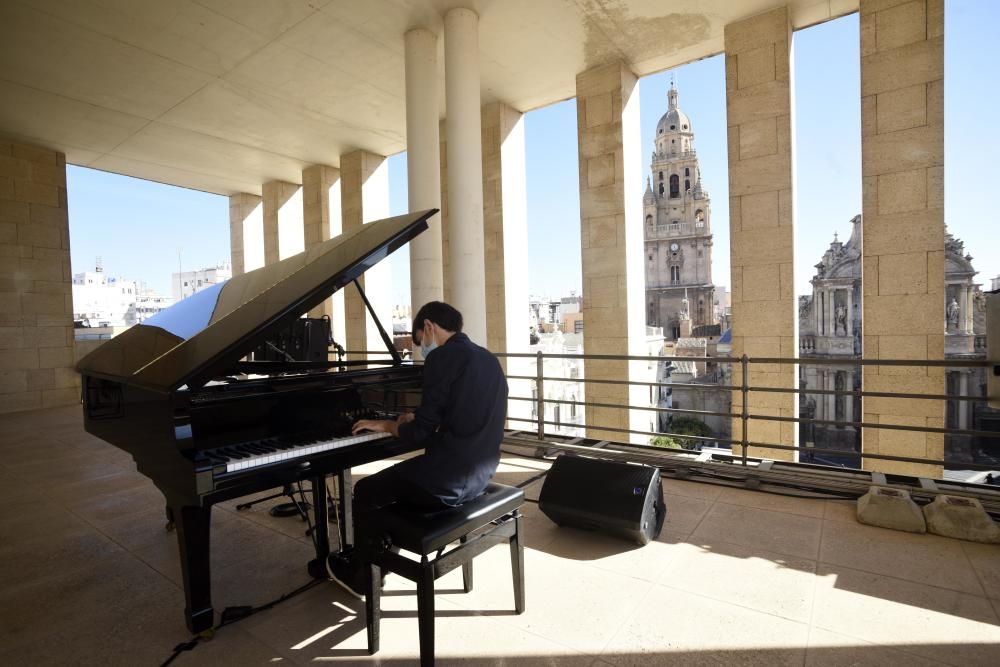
675,120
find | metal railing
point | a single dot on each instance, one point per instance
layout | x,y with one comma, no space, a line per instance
744,389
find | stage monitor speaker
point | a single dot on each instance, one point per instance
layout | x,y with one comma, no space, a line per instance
621,499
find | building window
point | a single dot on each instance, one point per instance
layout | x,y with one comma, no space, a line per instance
661,188
661,175
675,274
687,185
675,186
687,171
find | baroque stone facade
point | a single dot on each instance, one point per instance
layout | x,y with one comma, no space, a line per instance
678,231
830,326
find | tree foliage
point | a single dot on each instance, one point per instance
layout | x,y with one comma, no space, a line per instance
682,426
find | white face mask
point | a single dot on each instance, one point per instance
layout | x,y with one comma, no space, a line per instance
427,347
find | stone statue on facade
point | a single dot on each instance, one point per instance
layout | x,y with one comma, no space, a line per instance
952,314
840,316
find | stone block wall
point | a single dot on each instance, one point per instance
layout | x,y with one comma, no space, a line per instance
36,297
278,206
902,168
505,229
611,237
241,207
758,107
364,193
320,222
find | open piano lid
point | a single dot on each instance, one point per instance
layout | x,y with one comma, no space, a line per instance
203,336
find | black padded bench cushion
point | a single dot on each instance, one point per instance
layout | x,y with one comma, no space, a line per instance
426,532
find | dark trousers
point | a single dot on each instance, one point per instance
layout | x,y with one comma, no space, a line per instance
379,490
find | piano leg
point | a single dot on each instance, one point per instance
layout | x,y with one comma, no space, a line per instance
346,484
321,512
321,530
193,538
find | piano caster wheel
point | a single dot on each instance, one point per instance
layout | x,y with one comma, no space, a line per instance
169,527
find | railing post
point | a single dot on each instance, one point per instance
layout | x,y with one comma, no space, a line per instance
745,412
540,391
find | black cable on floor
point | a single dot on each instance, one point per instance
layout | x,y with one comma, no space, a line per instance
231,615
532,480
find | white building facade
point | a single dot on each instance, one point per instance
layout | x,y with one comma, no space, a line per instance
186,283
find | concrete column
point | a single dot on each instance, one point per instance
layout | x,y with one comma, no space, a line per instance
364,190
282,220
758,107
902,166
445,245
423,165
321,221
611,236
36,298
244,212
465,160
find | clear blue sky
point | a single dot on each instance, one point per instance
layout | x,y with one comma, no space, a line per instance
138,227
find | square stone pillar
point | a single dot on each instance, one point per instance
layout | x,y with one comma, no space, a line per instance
611,235
758,108
364,189
321,220
505,229
243,207
505,237
902,168
282,220
36,295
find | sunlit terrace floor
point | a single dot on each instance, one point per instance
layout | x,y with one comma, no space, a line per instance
91,577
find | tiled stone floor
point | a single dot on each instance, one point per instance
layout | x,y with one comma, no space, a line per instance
738,577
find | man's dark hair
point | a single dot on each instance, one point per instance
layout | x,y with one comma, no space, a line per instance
441,314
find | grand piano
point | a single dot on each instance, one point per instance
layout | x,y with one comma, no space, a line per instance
206,425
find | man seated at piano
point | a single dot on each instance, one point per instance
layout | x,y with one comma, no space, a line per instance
459,424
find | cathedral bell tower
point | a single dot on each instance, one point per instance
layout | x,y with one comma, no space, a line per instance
678,231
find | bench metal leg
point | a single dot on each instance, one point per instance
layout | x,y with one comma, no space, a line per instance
425,612
517,564
466,569
373,607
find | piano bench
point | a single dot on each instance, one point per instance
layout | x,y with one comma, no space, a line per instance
492,518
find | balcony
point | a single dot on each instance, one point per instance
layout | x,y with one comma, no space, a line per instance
736,577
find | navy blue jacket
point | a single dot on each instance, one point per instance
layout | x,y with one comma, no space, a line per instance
459,422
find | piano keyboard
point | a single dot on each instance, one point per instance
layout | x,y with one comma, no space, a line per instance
275,450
